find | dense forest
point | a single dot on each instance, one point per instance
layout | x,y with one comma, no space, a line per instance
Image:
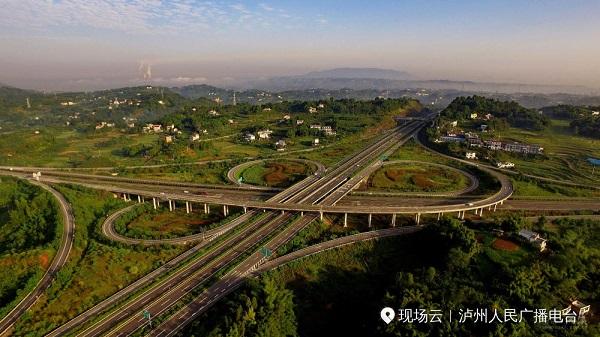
513,113
29,217
447,266
585,120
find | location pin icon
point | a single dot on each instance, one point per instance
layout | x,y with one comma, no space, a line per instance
387,314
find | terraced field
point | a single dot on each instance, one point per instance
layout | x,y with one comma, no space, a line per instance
565,155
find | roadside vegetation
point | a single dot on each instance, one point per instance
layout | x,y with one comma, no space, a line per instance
416,177
280,173
30,229
144,222
447,266
96,268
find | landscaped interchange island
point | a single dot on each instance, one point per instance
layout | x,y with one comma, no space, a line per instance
142,210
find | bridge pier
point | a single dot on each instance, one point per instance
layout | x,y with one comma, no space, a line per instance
481,212
245,209
321,215
187,207
302,214
463,215
495,207
370,218
345,219
439,216
139,199
170,205
154,202
225,210
394,220
205,209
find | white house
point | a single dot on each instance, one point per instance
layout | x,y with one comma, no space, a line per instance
168,139
195,136
299,121
312,109
264,134
454,123
213,113
287,117
280,145
249,137
315,142
471,155
474,115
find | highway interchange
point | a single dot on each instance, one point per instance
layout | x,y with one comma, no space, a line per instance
224,257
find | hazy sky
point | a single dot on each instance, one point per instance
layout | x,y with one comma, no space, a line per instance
72,44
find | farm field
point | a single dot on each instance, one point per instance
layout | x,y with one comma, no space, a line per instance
565,154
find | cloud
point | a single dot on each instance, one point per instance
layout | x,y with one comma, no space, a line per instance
266,7
126,16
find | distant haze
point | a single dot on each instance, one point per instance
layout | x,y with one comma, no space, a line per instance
93,44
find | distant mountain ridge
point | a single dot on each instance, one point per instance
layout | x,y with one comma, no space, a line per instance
375,73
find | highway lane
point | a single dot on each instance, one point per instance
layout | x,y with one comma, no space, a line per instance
59,260
317,192
236,278
136,181
143,282
182,281
174,288
171,296
510,204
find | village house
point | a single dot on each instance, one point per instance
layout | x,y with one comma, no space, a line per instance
264,134
280,145
315,142
104,124
473,115
195,136
471,155
213,113
152,128
522,148
533,238
299,121
312,109
168,139
249,137
321,106
287,117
